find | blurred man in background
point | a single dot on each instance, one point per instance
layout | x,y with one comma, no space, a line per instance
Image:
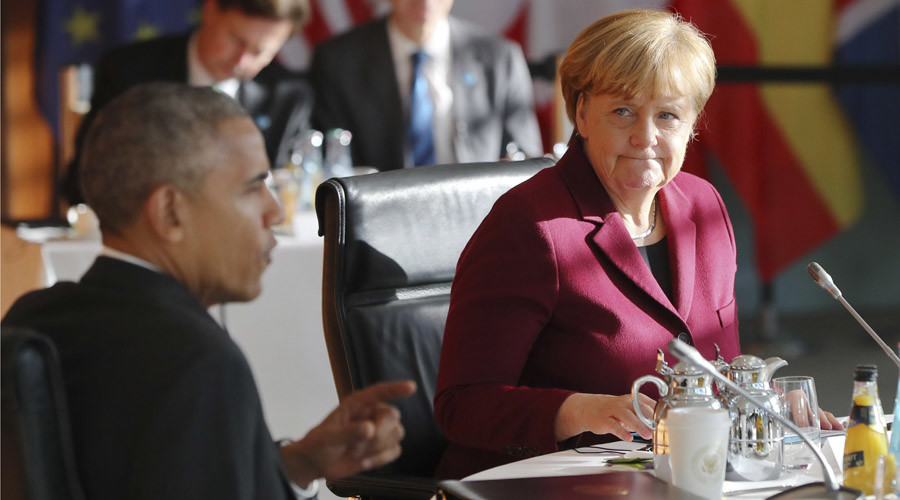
420,87
232,51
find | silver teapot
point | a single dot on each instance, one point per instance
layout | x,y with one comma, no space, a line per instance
682,386
755,443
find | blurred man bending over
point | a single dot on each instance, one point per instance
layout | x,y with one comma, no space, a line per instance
232,50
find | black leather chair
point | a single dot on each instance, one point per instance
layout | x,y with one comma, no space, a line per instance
38,458
392,241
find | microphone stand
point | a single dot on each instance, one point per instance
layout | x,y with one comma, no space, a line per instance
832,488
824,280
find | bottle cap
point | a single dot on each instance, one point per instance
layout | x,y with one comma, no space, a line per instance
865,373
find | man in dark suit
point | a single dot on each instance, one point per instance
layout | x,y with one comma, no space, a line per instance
478,84
232,50
162,401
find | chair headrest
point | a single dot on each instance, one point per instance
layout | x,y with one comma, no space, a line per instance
435,208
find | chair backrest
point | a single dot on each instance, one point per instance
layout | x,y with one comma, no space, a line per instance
38,458
392,241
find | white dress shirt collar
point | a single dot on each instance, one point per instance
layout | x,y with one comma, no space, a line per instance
437,46
198,76
131,259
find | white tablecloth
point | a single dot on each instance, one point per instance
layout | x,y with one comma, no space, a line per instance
280,332
571,462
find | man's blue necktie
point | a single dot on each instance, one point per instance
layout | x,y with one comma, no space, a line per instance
421,113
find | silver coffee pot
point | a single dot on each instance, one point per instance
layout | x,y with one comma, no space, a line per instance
755,443
681,386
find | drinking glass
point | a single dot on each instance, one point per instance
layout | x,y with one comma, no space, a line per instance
800,406
287,188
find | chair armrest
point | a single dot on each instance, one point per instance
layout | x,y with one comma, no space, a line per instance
384,486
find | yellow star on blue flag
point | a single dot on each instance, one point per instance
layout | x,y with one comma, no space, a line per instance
146,31
80,31
83,26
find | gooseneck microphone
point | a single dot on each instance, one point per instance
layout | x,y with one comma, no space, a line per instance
824,280
830,489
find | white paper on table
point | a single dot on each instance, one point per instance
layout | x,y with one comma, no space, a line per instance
615,446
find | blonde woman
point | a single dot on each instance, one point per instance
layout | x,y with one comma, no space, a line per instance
577,276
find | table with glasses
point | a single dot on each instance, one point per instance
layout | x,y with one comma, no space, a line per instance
594,460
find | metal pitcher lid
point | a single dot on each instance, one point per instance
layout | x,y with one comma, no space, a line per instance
686,370
748,362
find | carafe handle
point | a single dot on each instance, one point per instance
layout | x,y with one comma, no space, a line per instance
636,389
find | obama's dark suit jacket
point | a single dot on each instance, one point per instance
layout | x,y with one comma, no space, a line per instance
162,402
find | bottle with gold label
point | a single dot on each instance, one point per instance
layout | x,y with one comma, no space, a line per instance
866,437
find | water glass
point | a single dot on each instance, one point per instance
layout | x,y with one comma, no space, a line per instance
287,189
801,407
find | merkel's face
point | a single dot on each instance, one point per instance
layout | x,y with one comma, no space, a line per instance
638,143
235,45
232,217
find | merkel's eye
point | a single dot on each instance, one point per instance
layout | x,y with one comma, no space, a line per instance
621,111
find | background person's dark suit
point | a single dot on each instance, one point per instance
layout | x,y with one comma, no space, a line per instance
162,401
278,100
356,89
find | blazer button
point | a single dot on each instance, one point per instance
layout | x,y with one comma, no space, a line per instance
685,338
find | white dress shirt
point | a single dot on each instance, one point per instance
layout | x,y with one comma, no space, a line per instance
437,72
198,76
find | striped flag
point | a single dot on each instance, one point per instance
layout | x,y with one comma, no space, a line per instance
868,35
788,147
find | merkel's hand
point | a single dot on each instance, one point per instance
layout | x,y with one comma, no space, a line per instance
602,414
802,413
828,422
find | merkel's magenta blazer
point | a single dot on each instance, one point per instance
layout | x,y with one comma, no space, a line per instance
552,297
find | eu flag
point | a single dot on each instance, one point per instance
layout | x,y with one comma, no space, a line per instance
80,31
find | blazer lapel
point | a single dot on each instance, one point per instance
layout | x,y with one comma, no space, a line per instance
252,97
611,237
381,79
467,81
681,233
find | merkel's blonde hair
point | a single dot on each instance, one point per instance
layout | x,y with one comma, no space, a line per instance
636,51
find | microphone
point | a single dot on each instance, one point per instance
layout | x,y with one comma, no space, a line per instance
830,489
824,280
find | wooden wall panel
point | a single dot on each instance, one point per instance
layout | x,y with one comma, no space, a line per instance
28,153
21,267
